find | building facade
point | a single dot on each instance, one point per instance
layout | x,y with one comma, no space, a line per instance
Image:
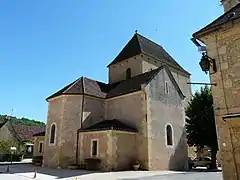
222,40
137,116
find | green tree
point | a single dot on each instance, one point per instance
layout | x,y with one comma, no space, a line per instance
201,128
24,121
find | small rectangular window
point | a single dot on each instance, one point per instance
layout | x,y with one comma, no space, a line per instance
94,147
166,87
40,148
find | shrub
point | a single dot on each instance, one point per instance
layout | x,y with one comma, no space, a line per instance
7,157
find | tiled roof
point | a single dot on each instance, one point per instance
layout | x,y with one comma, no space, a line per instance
109,125
40,134
84,85
132,84
140,44
25,132
102,90
62,90
231,15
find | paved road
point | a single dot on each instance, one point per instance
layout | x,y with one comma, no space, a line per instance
26,172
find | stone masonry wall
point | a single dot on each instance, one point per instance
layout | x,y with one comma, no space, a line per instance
104,147
71,122
117,72
181,78
38,139
131,110
143,63
125,154
224,47
94,110
165,109
51,151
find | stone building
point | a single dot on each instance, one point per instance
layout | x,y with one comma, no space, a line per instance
19,134
222,40
38,144
137,116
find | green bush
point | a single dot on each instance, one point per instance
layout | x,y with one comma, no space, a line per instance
7,157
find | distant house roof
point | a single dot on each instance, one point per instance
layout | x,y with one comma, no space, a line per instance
140,44
231,15
109,125
24,132
98,89
39,134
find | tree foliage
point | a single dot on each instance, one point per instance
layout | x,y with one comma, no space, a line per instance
201,128
24,121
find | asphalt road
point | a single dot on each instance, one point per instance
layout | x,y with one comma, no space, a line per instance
26,172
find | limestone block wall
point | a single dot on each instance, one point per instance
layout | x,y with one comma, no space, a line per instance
117,72
181,78
104,147
71,122
94,110
224,47
131,109
38,139
55,115
165,109
125,154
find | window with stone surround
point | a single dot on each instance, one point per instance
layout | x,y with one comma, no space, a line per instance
52,133
166,87
40,147
94,147
169,135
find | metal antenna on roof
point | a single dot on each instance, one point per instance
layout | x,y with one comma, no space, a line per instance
11,112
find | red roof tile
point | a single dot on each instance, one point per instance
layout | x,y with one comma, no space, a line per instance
25,132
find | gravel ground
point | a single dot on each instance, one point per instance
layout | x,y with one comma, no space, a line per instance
26,172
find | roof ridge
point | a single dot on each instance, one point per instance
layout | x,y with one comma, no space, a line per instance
164,51
74,82
83,84
138,40
150,40
95,80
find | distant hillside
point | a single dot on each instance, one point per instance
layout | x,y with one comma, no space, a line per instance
24,121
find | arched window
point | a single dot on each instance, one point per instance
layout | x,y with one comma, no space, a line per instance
52,133
169,135
128,73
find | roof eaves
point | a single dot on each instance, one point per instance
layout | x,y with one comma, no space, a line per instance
170,64
208,29
61,91
108,129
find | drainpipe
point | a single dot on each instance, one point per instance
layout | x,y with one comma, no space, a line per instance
81,122
200,48
146,120
77,146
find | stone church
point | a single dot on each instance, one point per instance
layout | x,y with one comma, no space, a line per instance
137,116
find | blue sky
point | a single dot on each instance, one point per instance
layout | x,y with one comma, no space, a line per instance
46,44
